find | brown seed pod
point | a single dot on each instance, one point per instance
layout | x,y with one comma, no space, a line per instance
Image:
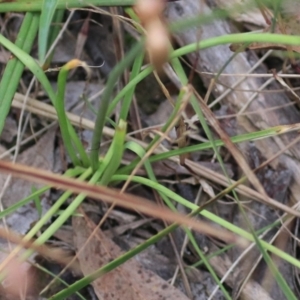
148,10
157,43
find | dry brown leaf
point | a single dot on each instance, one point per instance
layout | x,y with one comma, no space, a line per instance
129,281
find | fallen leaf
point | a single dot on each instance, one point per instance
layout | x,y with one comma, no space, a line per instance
129,281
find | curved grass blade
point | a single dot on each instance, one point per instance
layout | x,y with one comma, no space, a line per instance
115,263
69,135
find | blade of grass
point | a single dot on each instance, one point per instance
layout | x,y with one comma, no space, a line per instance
57,279
69,211
181,102
61,114
253,179
14,67
204,44
237,38
116,149
102,112
253,136
47,13
37,5
37,202
68,133
131,84
128,255
129,95
55,28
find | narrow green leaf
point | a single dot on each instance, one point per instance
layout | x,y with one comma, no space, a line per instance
116,152
54,31
14,67
103,107
36,5
48,10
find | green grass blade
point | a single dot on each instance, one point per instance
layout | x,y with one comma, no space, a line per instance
14,67
37,202
253,136
102,112
69,135
48,10
211,42
61,114
37,5
51,212
116,150
69,211
55,28
238,38
129,95
31,64
131,84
